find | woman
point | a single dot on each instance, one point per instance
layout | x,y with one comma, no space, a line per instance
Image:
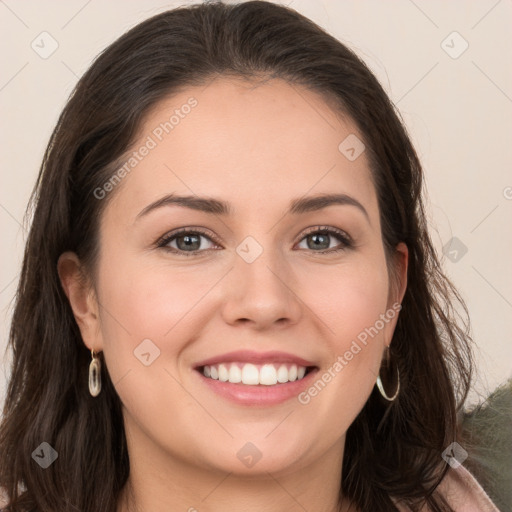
229,299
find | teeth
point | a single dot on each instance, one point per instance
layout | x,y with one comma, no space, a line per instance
252,375
223,373
282,374
235,374
268,375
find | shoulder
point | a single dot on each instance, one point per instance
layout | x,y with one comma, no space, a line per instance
461,490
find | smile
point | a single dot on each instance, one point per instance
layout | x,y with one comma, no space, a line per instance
255,374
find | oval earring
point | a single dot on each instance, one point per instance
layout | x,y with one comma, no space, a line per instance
380,387
94,375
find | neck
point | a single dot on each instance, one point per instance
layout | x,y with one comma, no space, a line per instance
160,482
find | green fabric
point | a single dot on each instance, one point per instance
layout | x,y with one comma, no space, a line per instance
487,437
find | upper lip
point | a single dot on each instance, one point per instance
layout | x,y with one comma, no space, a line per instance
248,356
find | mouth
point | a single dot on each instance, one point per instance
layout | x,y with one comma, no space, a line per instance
256,379
253,385
250,374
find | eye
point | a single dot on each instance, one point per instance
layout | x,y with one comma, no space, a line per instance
187,241
320,238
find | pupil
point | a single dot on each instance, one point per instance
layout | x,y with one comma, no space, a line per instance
191,242
319,244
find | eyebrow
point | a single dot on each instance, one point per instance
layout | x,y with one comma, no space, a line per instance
218,207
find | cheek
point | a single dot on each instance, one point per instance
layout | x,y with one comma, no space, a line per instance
150,300
360,330
144,302
350,303
347,298
147,319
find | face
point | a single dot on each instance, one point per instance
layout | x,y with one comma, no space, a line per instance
278,278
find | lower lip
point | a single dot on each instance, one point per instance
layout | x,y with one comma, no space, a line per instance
259,395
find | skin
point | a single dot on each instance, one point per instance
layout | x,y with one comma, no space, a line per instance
257,146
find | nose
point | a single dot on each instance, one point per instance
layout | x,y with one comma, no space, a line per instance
261,293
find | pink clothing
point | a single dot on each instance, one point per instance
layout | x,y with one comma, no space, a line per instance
464,494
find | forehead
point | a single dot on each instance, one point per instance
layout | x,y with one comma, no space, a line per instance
254,143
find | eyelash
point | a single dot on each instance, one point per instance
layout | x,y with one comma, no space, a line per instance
346,241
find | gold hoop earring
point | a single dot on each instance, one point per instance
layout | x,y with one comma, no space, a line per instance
94,375
380,387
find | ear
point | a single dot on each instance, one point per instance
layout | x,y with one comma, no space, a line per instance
82,299
397,288
400,265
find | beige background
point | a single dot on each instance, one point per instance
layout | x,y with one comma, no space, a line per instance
457,105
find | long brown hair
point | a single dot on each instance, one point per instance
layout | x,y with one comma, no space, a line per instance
393,450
